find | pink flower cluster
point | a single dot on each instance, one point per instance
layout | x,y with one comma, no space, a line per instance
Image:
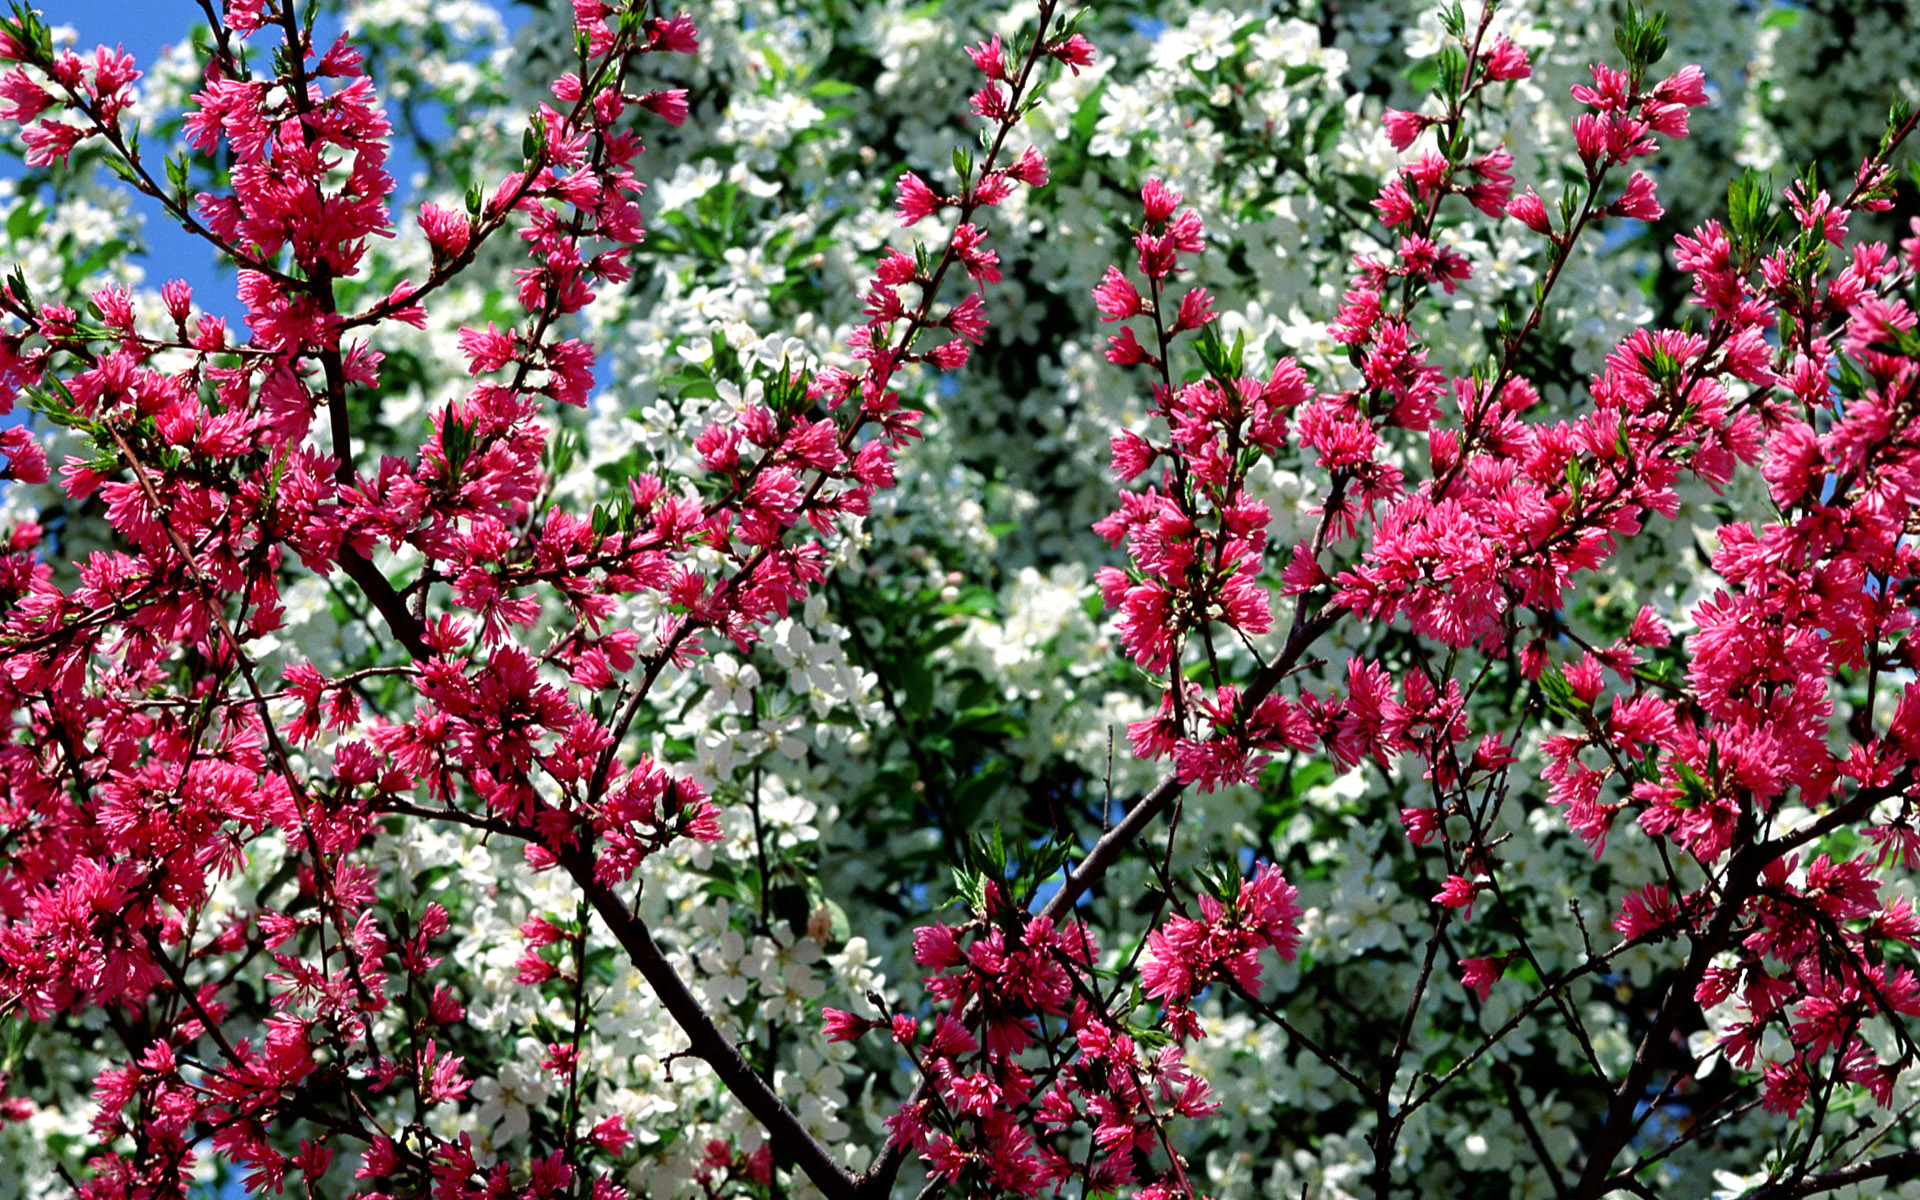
1196,542
1474,547
1789,977
1223,944
102,87
1021,1006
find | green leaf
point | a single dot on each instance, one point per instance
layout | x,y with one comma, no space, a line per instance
1453,70
1560,695
972,888
77,273
177,168
917,683
1326,135
1694,790
456,442
1221,361
25,220
1087,116
994,850
992,722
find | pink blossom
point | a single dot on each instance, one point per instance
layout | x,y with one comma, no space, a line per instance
1590,135
968,319
24,99
1503,60
26,461
1645,912
1132,454
1158,201
1196,309
989,58
1609,91
1422,824
842,1026
989,102
1637,202
1457,892
1073,50
50,141
177,295
1528,209
675,34
447,232
669,104
1115,297
1686,86
1125,350
1031,168
1480,974
1818,213
612,1135
1393,204
1404,127
1495,173
916,199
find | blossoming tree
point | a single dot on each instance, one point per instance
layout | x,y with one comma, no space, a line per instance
496,726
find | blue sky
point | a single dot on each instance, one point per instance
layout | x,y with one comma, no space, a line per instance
144,28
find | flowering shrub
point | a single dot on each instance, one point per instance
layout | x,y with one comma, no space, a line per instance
632,675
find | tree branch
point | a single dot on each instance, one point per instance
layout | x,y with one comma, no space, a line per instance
380,592
1895,1168
1622,1108
789,1138
1115,841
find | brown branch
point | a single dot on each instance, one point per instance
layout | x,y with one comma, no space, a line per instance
1517,1105
705,1040
1115,841
1894,1168
1622,1117
380,592
788,1136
